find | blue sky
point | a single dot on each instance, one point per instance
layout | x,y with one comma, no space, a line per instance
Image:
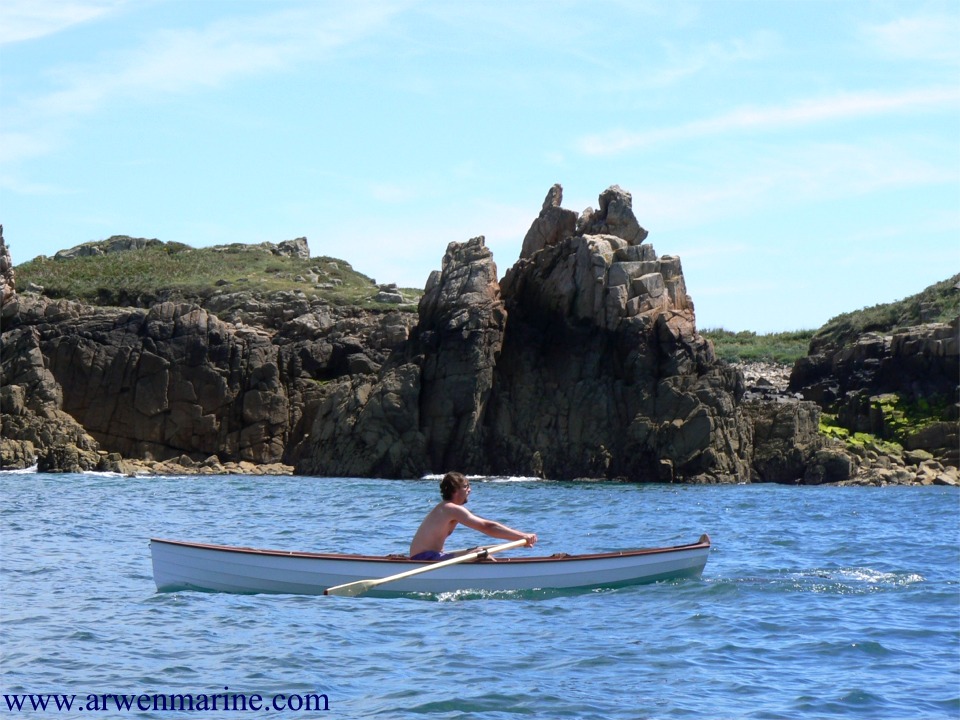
802,158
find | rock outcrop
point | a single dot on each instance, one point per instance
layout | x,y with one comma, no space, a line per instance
85,385
602,372
36,430
114,244
552,225
175,380
460,336
9,304
871,384
427,407
583,361
786,440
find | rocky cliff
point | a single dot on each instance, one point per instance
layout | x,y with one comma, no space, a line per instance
90,387
583,361
602,372
899,386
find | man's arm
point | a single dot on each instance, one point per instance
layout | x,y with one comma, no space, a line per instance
491,527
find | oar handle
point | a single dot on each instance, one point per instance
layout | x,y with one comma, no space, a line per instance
476,554
361,586
452,561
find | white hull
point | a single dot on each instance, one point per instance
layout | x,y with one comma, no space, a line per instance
181,565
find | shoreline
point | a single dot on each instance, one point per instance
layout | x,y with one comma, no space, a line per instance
765,382
925,476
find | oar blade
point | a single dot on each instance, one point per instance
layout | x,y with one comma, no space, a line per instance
351,589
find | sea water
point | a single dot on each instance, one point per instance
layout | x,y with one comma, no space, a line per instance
816,602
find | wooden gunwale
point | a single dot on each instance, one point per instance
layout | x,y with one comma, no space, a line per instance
703,542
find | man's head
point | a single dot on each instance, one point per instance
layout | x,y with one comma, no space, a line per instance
453,482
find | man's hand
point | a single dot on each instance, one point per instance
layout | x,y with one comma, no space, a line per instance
483,554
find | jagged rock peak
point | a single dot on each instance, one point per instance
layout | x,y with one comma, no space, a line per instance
616,194
615,217
6,267
597,268
551,226
8,286
554,198
554,223
468,279
461,328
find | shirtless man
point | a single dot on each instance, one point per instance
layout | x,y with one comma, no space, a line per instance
440,522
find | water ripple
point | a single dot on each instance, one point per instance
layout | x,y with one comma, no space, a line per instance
791,619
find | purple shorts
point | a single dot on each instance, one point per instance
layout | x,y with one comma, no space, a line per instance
431,555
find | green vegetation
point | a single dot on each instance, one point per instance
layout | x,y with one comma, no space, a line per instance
938,303
783,348
893,417
902,418
174,270
864,440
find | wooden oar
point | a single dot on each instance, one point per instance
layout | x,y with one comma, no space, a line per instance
361,586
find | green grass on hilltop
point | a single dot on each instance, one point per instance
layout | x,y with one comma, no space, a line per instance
174,270
783,348
938,303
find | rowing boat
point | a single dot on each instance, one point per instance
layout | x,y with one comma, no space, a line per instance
180,565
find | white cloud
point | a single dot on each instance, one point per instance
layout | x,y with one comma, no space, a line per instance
917,38
183,60
785,177
846,106
18,146
684,62
26,187
392,193
22,20
168,62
